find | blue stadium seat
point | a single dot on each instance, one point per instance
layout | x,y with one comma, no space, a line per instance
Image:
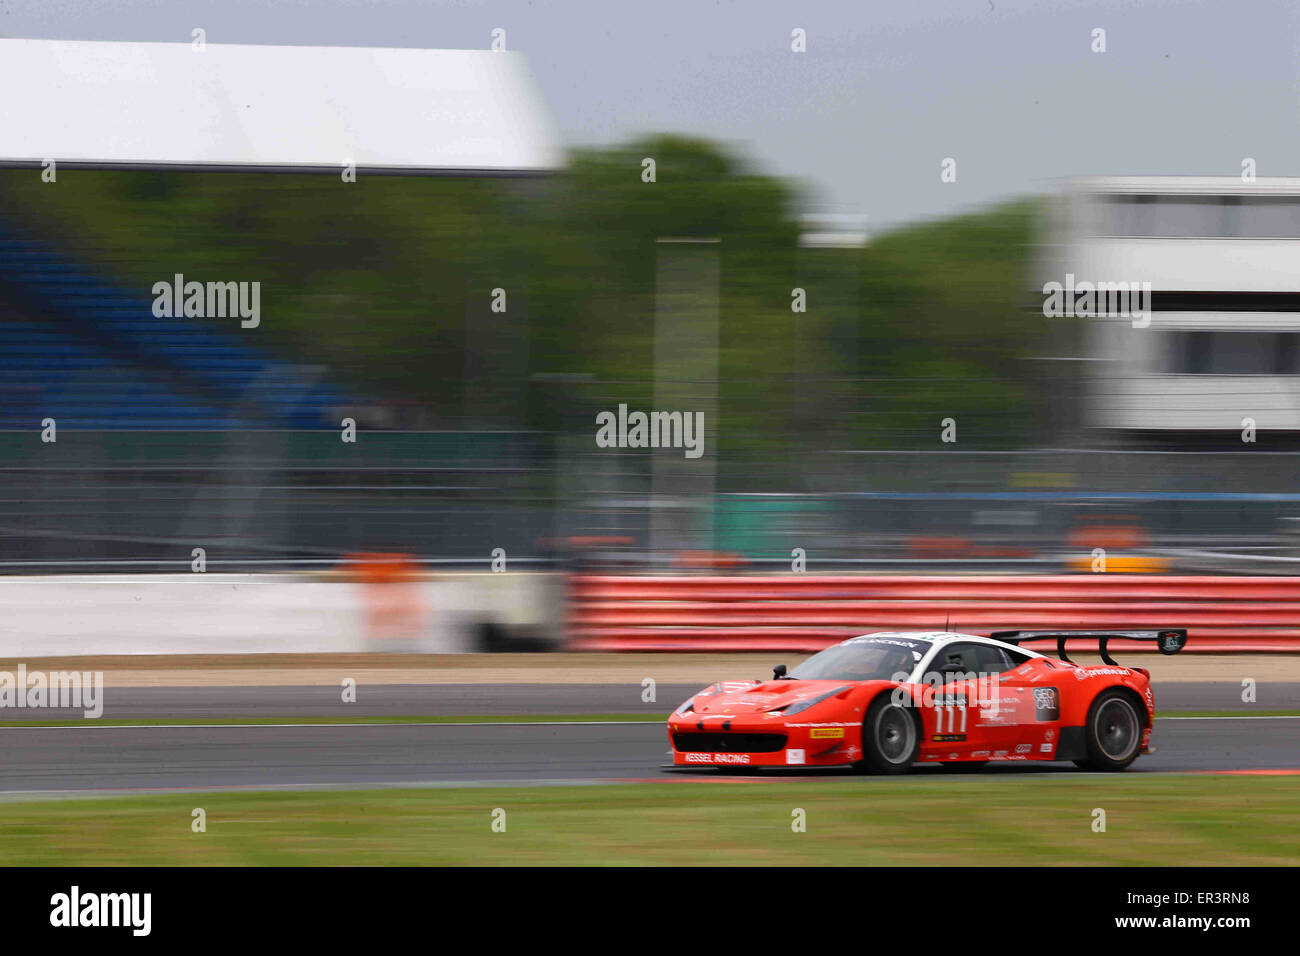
92,353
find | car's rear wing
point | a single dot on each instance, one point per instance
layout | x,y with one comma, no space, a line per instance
1168,640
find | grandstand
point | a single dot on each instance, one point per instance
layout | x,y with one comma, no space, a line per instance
77,347
189,432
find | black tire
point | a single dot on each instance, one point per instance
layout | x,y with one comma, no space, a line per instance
965,766
1113,733
891,737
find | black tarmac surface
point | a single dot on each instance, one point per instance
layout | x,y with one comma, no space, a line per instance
88,757
179,703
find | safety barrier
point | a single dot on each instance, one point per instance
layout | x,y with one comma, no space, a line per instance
806,612
372,603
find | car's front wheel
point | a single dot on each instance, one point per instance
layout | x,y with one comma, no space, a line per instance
891,737
1113,733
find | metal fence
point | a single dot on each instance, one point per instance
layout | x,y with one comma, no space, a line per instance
253,499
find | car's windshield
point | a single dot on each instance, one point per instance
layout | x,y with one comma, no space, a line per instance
862,659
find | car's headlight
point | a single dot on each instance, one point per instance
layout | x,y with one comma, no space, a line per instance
686,708
798,707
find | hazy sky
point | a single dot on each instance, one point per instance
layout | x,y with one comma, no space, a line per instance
886,90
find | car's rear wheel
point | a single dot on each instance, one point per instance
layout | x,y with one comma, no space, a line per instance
891,737
1113,733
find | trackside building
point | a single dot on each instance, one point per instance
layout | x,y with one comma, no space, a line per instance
1213,264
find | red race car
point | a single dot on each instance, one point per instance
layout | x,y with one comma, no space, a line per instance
884,701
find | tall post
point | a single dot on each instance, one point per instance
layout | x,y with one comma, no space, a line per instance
686,380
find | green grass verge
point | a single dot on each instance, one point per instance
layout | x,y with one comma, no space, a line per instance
1151,820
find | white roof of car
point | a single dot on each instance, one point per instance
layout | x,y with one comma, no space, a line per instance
914,635
934,637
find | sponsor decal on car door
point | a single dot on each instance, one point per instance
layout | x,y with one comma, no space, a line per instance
1038,712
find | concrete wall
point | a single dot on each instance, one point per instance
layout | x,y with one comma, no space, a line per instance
71,615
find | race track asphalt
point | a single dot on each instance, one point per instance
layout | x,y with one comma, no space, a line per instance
87,758
382,700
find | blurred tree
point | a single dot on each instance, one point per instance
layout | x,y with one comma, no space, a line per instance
387,281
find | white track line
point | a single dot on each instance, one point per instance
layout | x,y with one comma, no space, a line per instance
1236,717
95,725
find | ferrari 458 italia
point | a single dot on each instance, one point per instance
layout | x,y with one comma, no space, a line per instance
883,702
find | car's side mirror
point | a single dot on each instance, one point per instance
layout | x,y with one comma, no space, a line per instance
778,672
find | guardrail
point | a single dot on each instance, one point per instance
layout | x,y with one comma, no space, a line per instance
806,612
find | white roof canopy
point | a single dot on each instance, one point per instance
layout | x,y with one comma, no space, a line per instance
281,108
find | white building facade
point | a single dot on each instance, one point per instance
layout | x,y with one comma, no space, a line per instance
1221,344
